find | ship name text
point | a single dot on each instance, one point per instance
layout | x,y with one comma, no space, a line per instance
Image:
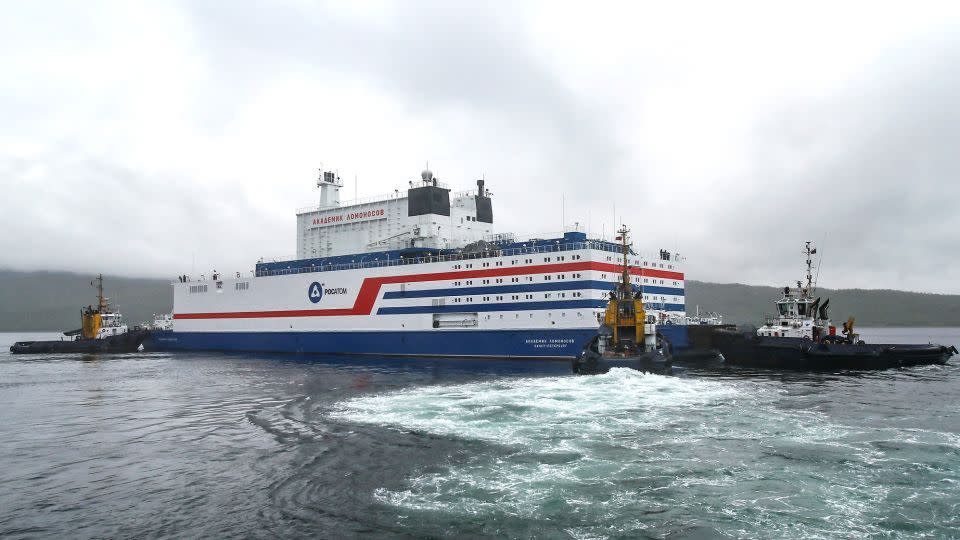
349,217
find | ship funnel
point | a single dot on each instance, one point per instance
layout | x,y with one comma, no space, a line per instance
480,190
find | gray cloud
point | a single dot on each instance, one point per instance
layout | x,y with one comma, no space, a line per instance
431,55
77,213
868,167
872,171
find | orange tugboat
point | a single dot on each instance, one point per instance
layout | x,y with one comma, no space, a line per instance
626,338
101,330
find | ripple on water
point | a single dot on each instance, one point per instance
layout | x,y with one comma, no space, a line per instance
615,454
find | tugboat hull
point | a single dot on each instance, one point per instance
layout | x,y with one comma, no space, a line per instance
593,363
750,350
121,343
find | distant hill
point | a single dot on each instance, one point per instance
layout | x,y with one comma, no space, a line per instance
52,301
749,303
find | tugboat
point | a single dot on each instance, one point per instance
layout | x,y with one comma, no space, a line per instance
802,337
626,338
101,330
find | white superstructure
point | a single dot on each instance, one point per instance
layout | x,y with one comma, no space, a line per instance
446,220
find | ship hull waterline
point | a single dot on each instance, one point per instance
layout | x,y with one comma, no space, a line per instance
520,344
747,350
121,343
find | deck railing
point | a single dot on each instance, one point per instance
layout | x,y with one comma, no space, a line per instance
545,248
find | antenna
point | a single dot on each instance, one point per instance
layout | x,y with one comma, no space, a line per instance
563,214
625,273
817,279
355,197
810,252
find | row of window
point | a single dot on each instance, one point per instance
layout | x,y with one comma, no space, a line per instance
546,277
238,286
575,294
652,281
636,262
530,315
463,266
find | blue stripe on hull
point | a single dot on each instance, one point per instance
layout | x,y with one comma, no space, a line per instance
466,307
508,288
500,289
469,343
469,307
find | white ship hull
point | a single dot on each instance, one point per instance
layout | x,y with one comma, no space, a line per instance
531,301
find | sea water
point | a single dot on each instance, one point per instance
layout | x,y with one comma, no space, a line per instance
243,445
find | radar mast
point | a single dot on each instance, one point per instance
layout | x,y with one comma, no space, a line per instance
810,252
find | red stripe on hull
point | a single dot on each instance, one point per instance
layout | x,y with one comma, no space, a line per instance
370,288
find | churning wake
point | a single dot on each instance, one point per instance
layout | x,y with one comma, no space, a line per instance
617,453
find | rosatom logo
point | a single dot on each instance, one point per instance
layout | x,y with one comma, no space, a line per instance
315,292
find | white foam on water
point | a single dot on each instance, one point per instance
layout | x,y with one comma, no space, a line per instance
603,450
558,411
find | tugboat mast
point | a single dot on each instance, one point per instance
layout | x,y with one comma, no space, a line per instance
810,251
625,291
101,301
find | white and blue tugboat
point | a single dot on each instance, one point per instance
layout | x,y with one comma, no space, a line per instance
801,336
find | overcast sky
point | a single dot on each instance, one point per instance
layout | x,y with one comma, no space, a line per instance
160,138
